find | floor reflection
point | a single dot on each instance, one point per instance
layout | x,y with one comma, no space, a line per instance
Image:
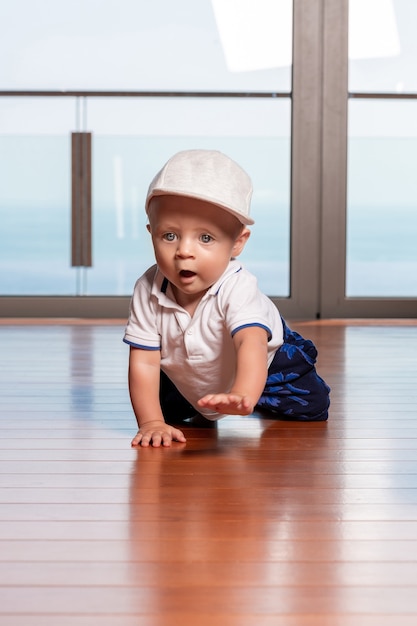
227,508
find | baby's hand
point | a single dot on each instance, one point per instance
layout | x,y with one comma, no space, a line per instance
157,433
228,403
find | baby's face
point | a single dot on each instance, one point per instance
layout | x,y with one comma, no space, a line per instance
193,242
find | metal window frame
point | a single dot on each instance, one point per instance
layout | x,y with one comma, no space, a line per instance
334,302
318,181
79,305
306,133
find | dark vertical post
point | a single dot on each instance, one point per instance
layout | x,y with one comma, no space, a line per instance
81,255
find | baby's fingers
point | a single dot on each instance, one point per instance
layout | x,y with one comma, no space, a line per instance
178,435
212,400
136,439
158,438
233,404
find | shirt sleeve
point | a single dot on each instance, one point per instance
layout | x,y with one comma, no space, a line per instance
141,329
244,305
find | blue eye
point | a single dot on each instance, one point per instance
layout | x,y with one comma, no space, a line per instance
206,238
169,236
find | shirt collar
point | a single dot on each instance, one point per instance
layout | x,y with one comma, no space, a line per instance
233,267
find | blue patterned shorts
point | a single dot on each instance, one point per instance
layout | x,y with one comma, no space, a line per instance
293,388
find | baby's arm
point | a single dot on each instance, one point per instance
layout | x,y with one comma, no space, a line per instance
251,373
144,376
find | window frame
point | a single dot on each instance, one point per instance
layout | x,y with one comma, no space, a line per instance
318,184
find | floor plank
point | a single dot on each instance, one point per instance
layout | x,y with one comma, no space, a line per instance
255,522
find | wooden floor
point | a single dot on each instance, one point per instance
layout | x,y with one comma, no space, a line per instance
253,523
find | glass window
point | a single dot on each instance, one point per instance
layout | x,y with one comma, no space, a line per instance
382,46
382,199
382,152
35,196
130,45
132,140
225,45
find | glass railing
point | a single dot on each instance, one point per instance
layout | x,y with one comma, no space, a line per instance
132,136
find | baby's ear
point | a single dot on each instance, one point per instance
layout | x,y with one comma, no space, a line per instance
241,241
148,226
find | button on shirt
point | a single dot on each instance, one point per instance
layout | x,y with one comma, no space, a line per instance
197,353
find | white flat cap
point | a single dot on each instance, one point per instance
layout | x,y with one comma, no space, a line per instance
207,175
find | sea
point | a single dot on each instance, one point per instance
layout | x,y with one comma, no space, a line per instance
35,253
35,220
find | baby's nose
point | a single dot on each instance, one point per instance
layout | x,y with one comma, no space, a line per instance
185,247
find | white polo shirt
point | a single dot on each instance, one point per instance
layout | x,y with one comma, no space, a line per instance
197,353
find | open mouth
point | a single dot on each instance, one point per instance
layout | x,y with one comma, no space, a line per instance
187,273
